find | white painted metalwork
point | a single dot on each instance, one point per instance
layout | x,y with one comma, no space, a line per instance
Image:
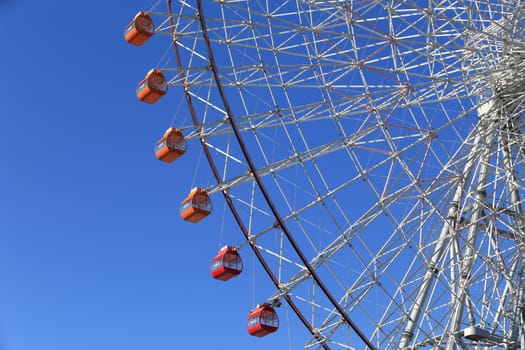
389,135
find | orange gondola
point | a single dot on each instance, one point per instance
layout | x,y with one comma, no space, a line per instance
262,321
140,29
171,146
152,87
227,264
196,206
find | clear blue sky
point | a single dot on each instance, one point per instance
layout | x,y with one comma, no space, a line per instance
93,252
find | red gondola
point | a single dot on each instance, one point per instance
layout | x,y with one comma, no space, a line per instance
196,206
152,87
262,321
227,264
140,29
171,146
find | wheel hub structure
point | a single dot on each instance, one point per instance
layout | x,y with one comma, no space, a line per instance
372,154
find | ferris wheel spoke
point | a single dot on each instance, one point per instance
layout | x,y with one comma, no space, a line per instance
478,252
382,205
374,274
361,283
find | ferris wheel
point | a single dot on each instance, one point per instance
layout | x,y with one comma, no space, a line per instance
371,153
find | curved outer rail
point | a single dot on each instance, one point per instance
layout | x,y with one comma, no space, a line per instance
265,193
227,197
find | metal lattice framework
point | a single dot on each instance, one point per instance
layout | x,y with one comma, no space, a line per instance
372,153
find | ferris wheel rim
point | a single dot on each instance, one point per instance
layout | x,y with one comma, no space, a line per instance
281,223
232,206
